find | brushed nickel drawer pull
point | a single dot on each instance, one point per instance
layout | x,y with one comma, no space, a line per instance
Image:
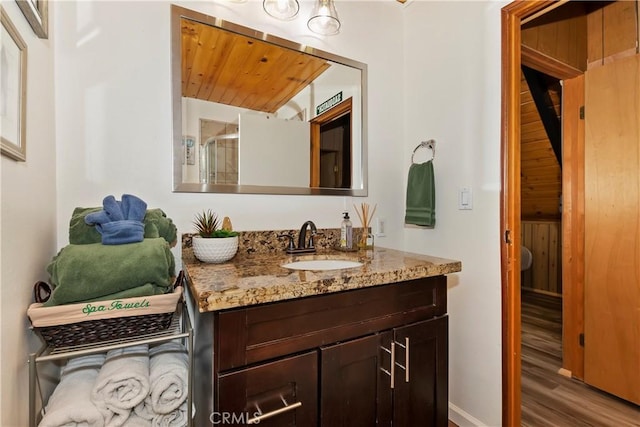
286,408
393,362
405,367
406,355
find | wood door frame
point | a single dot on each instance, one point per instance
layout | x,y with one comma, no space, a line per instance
345,107
510,240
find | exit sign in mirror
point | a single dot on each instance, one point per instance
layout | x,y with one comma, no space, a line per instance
326,105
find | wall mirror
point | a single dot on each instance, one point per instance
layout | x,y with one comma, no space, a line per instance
258,114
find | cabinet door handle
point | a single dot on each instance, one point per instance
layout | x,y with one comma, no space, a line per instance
406,355
392,352
406,359
286,408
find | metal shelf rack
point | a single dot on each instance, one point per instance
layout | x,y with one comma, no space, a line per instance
180,328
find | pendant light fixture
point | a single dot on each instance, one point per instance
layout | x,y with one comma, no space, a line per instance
324,19
281,9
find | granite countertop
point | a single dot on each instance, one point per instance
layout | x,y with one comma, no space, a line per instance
254,277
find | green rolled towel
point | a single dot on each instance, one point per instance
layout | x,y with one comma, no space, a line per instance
81,233
421,195
156,224
92,272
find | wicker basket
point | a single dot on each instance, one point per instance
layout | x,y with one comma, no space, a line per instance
94,331
66,325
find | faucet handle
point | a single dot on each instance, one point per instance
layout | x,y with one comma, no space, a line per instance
290,246
313,234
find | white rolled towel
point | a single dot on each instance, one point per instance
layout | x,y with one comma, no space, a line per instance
168,375
144,409
175,418
70,404
122,383
135,421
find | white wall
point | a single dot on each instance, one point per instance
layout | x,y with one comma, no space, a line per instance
28,223
277,146
112,135
452,94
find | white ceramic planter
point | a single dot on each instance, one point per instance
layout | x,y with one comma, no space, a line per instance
215,250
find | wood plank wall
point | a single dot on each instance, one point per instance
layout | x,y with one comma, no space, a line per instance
612,32
543,239
560,34
541,177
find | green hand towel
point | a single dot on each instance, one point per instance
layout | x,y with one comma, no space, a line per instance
97,272
421,195
156,224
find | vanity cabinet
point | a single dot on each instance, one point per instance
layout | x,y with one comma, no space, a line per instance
359,387
364,357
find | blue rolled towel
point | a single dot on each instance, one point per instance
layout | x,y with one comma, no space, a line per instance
133,208
119,222
113,208
121,232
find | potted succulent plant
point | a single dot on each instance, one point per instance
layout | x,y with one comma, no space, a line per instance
213,243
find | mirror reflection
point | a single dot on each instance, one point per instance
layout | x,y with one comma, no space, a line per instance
254,113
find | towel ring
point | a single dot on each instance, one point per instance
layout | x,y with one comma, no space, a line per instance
430,144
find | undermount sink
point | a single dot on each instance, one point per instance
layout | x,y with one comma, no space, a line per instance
322,264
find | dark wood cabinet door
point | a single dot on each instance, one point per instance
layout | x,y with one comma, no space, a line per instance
423,399
279,393
354,390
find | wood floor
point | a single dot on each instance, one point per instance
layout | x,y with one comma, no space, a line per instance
548,398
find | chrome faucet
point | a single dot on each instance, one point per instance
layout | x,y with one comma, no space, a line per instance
304,245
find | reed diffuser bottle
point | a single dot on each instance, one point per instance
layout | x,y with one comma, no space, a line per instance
366,216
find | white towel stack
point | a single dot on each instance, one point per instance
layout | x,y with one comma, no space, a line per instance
70,404
134,386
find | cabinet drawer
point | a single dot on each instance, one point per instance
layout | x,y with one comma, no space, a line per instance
279,393
258,333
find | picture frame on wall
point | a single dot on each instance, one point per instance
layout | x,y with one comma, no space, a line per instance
37,14
189,146
13,91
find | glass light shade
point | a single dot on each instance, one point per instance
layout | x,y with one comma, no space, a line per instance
324,19
281,9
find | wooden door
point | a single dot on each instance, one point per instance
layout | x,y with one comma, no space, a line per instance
279,393
422,397
612,228
354,390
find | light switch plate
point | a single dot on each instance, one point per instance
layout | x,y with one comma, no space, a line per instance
465,198
380,226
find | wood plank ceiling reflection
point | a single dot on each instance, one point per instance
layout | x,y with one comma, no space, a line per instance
229,68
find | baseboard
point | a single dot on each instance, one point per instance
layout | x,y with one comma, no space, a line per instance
565,372
463,419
